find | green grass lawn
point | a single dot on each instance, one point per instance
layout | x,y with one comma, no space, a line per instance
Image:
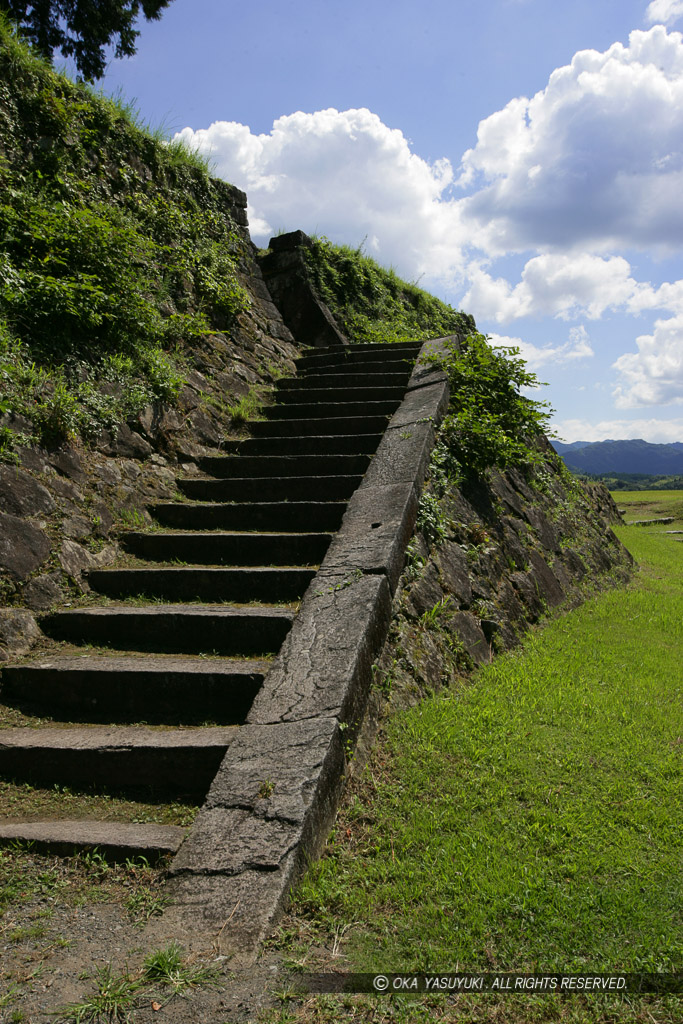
531,821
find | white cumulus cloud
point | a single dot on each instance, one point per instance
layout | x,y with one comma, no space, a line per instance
665,12
576,347
590,164
654,374
553,284
667,296
593,161
589,167
655,431
347,175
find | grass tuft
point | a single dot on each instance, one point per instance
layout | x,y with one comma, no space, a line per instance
170,966
116,996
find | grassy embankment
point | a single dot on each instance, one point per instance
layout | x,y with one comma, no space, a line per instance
116,257
530,821
371,303
117,261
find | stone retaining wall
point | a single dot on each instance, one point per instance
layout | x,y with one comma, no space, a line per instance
516,549
60,511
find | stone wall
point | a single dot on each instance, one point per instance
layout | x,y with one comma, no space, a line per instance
516,548
286,274
61,510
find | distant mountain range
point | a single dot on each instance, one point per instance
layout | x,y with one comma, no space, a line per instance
636,456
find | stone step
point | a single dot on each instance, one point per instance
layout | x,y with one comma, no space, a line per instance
122,758
171,690
297,516
193,584
336,379
351,357
117,840
239,549
262,466
290,481
331,425
182,629
316,410
333,394
411,347
330,444
366,366
285,488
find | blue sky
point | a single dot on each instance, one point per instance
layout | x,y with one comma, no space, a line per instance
522,159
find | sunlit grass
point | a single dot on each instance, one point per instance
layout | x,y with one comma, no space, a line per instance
533,820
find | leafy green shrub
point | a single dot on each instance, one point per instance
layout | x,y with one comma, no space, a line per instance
77,397
489,423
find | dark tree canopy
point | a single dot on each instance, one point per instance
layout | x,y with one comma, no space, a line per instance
82,28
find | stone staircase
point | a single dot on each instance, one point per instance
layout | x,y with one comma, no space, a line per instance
208,597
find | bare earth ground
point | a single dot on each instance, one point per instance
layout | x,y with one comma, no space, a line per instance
51,953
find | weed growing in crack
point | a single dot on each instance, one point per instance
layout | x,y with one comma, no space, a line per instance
266,789
431,521
430,618
383,681
144,904
348,735
415,563
247,408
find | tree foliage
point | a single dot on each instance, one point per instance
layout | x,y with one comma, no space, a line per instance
82,28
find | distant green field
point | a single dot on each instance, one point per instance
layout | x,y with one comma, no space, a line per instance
532,820
651,504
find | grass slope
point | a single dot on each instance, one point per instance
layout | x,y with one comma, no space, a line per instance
115,255
373,304
532,819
